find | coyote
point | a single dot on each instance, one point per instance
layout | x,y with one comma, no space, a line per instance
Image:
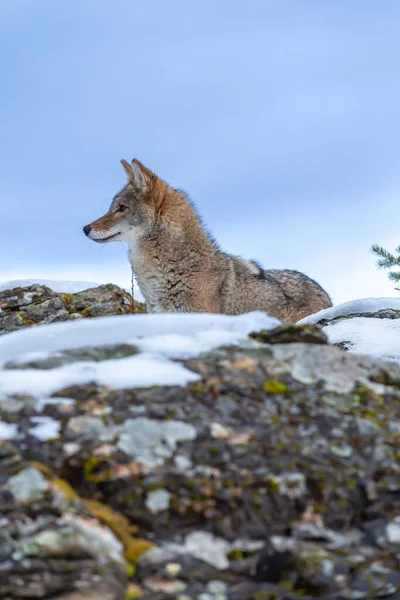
180,268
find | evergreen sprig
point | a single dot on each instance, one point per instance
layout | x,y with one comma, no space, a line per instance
388,261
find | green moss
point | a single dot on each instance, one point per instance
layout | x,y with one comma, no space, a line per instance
86,312
44,469
273,485
129,498
213,451
135,549
66,489
89,467
68,299
235,554
197,387
228,483
133,591
24,319
287,585
274,387
364,393
190,483
156,485
130,570
122,529
62,485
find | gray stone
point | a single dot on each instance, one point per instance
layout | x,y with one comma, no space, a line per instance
158,500
28,484
150,441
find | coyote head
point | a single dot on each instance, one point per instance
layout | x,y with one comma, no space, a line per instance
133,210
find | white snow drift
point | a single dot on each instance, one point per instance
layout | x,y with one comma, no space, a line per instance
159,337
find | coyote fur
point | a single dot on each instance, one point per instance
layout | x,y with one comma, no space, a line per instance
178,266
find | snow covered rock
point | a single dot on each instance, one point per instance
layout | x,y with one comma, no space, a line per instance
388,308
218,465
369,326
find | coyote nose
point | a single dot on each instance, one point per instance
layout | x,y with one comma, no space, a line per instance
87,229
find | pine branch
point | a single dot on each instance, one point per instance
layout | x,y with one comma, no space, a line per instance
394,276
384,263
387,260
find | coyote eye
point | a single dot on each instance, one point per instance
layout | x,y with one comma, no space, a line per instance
121,208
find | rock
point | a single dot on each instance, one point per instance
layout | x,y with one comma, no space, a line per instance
289,334
51,546
384,313
150,441
38,304
274,475
295,487
90,354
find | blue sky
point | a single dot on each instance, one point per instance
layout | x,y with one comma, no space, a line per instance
280,119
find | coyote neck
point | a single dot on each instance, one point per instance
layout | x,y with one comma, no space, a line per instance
172,262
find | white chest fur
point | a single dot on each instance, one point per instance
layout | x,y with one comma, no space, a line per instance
150,279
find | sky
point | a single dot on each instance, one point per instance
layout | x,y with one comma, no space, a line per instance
280,119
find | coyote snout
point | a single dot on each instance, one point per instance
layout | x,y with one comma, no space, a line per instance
178,266
106,229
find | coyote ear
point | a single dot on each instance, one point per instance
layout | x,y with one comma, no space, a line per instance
128,170
142,175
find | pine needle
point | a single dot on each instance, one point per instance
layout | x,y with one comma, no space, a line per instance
387,261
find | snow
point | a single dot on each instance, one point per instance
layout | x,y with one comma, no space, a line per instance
131,329
393,531
160,337
67,287
363,305
375,337
8,431
364,335
136,371
45,428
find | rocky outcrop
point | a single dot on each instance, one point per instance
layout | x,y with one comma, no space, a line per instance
38,305
276,475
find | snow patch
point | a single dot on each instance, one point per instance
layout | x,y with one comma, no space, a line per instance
208,330
371,336
46,428
363,305
8,431
136,371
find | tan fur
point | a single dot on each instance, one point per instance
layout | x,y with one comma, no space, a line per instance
180,269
